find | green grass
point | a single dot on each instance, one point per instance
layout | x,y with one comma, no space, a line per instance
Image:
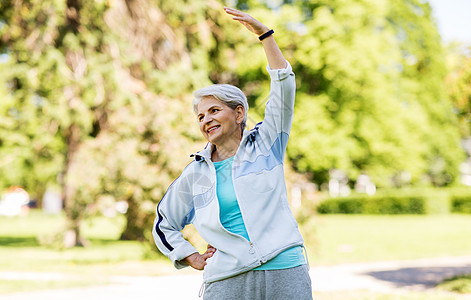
104,257
338,239
459,284
16,286
20,248
330,239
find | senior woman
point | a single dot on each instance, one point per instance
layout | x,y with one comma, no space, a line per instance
235,195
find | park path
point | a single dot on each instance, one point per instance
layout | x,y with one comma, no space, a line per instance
385,277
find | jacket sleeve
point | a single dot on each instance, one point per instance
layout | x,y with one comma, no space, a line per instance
174,211
278,119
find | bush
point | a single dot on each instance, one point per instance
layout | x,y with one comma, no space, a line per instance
372,205
461,204
401,201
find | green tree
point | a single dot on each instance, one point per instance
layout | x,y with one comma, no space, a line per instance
458,83
114,82
97,94
29,141
370,90
62,83
423,85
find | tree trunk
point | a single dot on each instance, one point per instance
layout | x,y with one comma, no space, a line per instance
73,210
136,220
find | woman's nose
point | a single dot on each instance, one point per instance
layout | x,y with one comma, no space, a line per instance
207,119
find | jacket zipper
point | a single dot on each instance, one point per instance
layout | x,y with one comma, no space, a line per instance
252,249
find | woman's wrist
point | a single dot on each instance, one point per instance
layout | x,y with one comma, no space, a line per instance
264,30
266,34
190,258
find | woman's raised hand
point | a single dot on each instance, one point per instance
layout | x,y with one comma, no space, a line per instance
247,20
274,56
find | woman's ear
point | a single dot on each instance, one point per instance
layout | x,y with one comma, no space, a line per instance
240,113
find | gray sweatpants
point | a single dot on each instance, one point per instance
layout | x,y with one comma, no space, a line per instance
263,285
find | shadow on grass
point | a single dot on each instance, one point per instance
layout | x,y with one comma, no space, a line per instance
7,241
421,277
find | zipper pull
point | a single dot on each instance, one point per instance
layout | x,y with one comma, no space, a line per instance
251,250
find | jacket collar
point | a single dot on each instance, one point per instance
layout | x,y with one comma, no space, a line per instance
204,154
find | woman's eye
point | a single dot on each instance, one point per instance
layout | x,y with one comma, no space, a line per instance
200,118
215,110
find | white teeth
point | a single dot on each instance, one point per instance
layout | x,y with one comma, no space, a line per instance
212,129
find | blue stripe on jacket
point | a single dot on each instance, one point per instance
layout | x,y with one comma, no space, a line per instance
159,231
262,162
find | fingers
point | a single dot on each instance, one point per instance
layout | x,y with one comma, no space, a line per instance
198,261
233,11
206,255
237,14
247,20
209,252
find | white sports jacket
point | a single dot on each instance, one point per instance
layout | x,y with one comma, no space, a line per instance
259,184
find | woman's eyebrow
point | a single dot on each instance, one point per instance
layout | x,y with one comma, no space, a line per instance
214,106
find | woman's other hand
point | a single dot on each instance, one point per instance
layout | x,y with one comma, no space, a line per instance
247,20
198,261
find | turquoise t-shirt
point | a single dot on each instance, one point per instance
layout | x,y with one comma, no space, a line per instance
231,218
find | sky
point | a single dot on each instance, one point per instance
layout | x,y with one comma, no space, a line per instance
453,19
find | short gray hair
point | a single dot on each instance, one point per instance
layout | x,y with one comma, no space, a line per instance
228,94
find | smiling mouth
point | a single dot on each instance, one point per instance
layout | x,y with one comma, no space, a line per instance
211,129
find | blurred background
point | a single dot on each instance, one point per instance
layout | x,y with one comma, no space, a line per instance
96,122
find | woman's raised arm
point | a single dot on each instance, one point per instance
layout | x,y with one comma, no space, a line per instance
274,56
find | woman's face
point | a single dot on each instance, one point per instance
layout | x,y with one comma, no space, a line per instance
218,122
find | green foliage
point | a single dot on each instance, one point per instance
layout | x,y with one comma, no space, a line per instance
461,204
401,201
55,61
96,95
458,83
95,99
424,72
370,91
391,205
459,284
